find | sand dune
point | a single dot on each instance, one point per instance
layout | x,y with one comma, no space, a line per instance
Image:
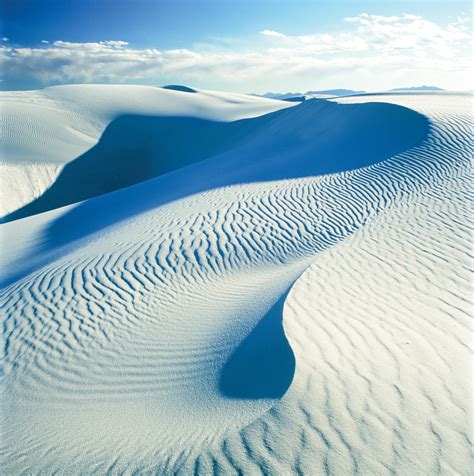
294,298
47,129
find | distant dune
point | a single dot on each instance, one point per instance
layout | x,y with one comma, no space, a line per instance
211,283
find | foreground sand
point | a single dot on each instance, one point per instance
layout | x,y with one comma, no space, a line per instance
297,302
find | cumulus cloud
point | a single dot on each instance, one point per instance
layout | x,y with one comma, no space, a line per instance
406,46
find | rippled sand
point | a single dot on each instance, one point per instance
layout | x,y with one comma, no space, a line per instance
296,301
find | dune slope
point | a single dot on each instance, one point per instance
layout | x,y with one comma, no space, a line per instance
283,306
134,148
43,131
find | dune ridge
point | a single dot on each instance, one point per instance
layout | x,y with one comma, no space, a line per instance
48,128
115,336
137,148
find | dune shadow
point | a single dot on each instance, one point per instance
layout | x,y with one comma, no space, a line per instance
263,365
150,161
180,88
133,149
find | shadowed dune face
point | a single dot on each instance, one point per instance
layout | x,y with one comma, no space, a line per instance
263,365
189,156
133,149
318,137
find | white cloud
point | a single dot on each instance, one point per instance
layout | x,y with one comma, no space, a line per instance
272,33
372,48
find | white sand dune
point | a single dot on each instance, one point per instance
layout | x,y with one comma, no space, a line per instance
44,130
293,301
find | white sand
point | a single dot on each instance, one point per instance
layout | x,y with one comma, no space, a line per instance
44,130
298,303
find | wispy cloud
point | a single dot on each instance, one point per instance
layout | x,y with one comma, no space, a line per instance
389,47
273,33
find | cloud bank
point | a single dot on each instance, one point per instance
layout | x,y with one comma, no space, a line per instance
393,50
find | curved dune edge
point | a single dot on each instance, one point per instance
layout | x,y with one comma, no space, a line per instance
316,138
383,359
330,208
380,384
311,139
45,130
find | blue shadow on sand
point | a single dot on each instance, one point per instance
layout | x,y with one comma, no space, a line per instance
187,156
263,365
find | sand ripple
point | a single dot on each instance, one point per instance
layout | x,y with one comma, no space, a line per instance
115,345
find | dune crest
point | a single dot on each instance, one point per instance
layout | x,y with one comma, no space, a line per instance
45,130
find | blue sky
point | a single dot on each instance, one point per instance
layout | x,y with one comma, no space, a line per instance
237,45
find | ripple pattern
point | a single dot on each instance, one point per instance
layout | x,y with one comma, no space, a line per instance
131,329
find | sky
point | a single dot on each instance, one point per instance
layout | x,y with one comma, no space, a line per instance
237,45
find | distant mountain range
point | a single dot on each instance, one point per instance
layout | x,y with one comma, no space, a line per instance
335,92
326,92
419,88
